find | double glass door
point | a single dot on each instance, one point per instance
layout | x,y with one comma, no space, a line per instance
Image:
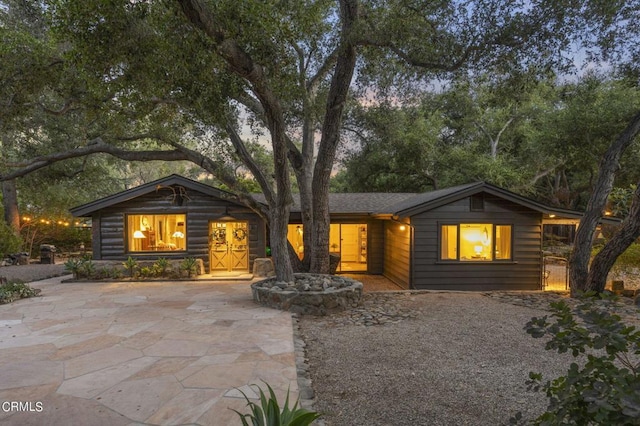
229,247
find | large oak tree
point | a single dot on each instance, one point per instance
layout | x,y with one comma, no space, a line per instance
173,71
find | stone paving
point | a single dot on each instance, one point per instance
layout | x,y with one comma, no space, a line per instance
140,353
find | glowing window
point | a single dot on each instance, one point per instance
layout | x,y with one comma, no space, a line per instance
156,232
475,242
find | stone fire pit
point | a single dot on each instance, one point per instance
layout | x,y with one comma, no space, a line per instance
313,294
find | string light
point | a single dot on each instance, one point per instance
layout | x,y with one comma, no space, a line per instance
46,221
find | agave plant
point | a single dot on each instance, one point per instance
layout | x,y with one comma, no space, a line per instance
73,265
189,265
161,265
269,413
130,265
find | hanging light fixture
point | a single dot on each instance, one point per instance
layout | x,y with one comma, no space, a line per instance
227,217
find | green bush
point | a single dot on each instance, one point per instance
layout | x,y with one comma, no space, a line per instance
9,241
15,290
130,265
87,268
73,265
604,388
627,261
269,413
161,266
189,265
146,272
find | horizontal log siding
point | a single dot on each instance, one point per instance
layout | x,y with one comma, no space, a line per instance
200,209
522,274
397,253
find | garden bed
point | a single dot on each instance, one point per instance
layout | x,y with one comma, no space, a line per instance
313,294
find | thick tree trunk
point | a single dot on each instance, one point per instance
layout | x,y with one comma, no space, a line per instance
10,204
331,127
626,235
241,63
306,191
280,245
579,261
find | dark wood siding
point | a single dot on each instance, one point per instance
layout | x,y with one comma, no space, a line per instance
199,209
397,253
522,273
376,247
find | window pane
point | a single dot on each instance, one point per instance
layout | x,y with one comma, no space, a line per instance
149,232
475,242
449,242
503,242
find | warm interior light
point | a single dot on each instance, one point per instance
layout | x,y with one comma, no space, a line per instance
402,227
552,215
139,234
178,234
607,213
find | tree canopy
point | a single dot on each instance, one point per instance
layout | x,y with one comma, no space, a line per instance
201,81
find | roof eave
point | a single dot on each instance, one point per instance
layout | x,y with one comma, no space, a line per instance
86,210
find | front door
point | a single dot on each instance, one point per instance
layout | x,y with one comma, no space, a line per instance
229,247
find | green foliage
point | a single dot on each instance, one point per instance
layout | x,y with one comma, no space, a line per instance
130,265
160,266
15,290
146,272
630,258
108,273
73,265
620,199
604,386
9,241
396,153
269,413
87,267
189,265
81,267
627,261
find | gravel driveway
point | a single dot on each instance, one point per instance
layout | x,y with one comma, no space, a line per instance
427,359
32,272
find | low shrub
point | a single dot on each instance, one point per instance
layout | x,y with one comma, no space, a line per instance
604,387
81,267
9,241
15,290
146,272
73,265
161,266
189,265
627,262
130,265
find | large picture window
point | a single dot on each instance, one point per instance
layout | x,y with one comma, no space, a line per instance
475,242
156,232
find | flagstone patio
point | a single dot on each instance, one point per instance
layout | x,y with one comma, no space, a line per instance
140,353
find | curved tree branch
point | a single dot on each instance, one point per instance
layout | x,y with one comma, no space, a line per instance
609,165
179,153
247,159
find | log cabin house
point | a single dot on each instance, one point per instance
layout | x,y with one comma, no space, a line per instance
469,237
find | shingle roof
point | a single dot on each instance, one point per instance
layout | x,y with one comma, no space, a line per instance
427,197
375,203
354,202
